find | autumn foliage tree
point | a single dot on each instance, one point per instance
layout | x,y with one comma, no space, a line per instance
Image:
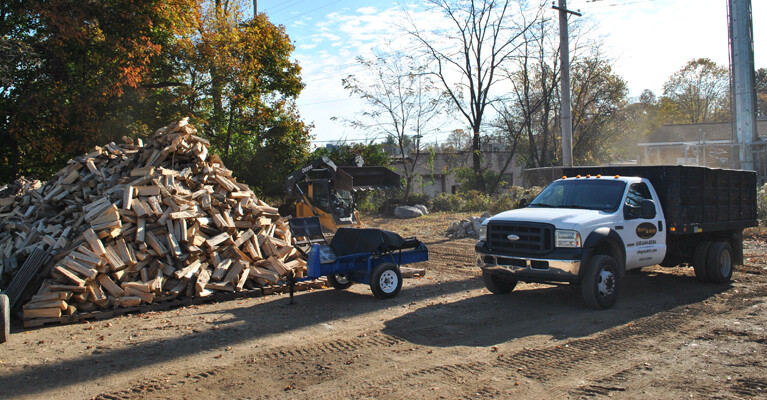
78,74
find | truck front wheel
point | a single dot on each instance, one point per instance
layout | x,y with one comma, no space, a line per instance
498,284
599,284
719,262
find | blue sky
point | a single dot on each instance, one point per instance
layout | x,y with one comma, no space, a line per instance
647,39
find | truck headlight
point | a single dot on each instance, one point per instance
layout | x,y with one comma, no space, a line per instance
566,238
483,232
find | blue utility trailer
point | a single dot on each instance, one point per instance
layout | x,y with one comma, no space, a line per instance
368,256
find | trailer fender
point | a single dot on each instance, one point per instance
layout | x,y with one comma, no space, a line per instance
605,241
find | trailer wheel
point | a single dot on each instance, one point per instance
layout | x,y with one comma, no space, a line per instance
339,281
498,284
599,285
699,261
719,262
5,318
386,281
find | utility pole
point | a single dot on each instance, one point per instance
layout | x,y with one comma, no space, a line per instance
564,55
255,8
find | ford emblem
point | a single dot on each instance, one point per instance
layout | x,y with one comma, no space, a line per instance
512,237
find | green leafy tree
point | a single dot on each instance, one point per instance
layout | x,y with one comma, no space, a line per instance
699,92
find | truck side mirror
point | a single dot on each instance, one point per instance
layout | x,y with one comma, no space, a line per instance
523,202
648,209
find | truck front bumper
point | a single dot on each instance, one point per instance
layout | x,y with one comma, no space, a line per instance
560,266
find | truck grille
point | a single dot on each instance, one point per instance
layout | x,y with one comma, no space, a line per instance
534,238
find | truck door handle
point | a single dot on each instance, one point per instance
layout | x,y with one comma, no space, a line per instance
660,226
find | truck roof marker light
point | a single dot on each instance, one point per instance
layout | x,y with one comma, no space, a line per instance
617,176
564,176
599,175
577,176
672,229
588,176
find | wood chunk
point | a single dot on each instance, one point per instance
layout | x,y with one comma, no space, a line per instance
189,270
232,275
42,313
221,268
152,241
266,274
202,280
110,286
128,301
277,266
57,303
141,229
67,274
217,240
74,266
96,246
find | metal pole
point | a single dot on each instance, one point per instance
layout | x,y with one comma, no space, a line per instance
564,55
255,8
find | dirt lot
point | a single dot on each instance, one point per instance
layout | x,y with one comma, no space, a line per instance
444,336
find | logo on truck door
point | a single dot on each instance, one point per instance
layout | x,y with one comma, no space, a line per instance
646,230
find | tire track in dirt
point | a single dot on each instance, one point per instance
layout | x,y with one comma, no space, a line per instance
312,351
545,365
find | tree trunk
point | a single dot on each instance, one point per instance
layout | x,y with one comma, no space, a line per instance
476,161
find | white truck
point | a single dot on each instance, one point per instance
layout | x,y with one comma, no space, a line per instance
596,223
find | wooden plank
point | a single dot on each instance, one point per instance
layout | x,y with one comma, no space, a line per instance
42,313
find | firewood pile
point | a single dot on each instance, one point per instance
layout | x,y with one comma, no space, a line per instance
134,224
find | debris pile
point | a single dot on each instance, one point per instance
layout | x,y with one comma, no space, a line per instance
135,224
467,227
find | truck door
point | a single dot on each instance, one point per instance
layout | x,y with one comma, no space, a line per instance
644,236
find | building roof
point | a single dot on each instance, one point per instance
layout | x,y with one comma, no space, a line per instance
694,133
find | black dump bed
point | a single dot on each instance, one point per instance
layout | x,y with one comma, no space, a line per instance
694,199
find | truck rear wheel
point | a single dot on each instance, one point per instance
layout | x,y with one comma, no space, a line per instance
599,285
339,282
498,284
386,281
5,318
699,261
719,262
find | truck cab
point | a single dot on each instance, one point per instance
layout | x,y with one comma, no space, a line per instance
586,230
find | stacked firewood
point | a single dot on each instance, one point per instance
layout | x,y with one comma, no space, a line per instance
134,224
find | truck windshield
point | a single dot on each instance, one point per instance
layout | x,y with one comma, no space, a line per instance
592,194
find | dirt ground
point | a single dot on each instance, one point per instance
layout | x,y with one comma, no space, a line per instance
444,336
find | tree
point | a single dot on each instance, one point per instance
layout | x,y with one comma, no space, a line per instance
67,70
484,35
598,97
87,74
761,92
241,86
699,92
530,116
404,104
347,154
